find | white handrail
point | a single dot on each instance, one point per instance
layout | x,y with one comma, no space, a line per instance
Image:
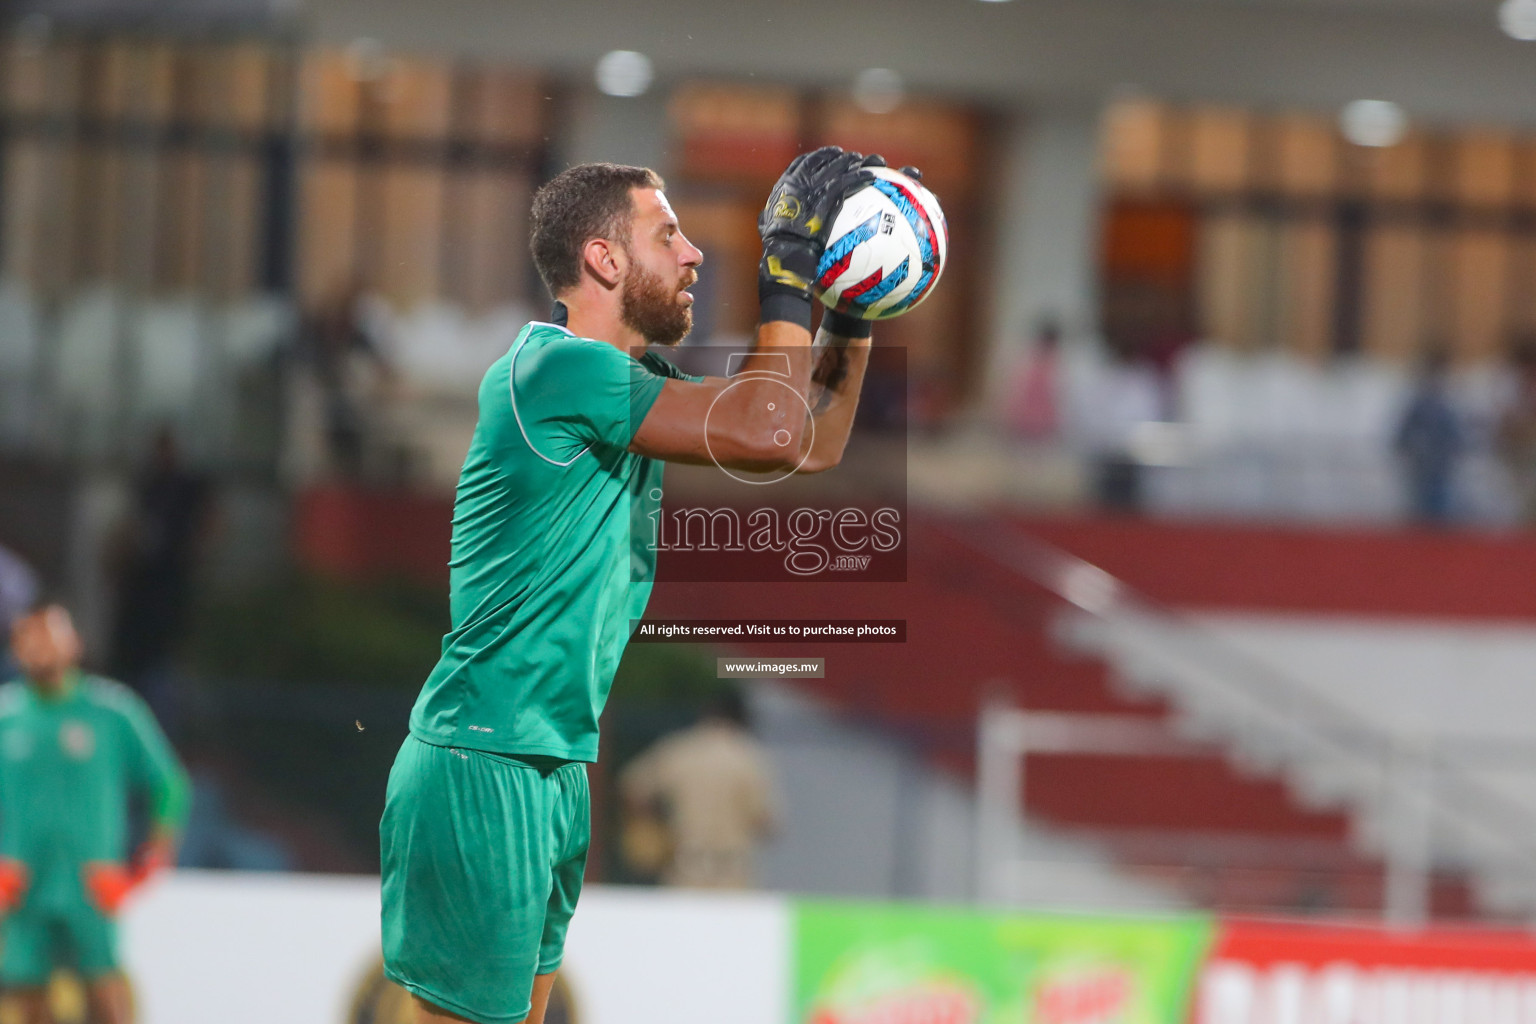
1422,787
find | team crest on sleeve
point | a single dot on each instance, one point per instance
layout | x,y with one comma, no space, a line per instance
77,739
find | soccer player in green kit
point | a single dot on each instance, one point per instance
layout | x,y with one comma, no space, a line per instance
74,749
486,821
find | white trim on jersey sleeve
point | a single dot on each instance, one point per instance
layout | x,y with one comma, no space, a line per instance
512,387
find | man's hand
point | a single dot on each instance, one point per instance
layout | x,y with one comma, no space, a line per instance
14,878
795,223
109,884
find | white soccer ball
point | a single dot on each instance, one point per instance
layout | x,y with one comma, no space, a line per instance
886,249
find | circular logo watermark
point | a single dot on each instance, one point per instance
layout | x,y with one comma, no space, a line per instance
790,398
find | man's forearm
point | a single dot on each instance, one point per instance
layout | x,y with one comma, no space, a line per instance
782,349
835,402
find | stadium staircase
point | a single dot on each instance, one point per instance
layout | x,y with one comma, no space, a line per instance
988,623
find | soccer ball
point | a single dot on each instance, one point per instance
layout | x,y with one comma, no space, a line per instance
885,251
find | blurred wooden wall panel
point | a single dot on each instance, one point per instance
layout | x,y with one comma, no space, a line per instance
327,229
44,79
135,261
1439,290
181,221
111,82
1306,156
1234,279
1525,173
734,133
1522,308
230,90
23,76
486,262
43,224
1134,145
415,99
248,69
1219,149
1480,262
1400,172
1484,168
1150,240
231,231
410,226
28,185
1308,275
1394,308
100,198
152,82
504,107
330,94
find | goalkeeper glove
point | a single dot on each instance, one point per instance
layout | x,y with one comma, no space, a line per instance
795,223
110,884
14,877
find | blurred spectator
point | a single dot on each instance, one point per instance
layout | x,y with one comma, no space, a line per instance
1032,412
709,789
1110,405
1517,429
154,557
1430,440
333,341
18,589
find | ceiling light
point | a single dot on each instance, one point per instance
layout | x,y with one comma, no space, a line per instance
1518,19
1373,123
878,90
624,73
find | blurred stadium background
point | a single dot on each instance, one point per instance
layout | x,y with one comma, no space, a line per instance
1220,460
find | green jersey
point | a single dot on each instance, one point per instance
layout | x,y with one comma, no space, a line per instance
551,558
69,766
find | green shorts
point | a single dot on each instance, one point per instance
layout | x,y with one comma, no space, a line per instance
482,860
34,941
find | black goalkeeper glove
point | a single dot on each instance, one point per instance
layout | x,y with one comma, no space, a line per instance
795,223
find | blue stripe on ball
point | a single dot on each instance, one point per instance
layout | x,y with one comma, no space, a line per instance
920,227
847,243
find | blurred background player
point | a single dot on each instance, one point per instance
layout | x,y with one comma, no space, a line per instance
708,786
74,751
487,819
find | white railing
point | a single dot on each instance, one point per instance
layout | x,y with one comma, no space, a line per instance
1417,802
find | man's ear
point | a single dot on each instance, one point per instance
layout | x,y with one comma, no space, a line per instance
604,260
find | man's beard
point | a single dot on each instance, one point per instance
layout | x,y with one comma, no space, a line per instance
649,307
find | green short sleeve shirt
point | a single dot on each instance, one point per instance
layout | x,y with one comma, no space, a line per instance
551,557
69,766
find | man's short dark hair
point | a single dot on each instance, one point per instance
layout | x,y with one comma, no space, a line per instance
577,205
